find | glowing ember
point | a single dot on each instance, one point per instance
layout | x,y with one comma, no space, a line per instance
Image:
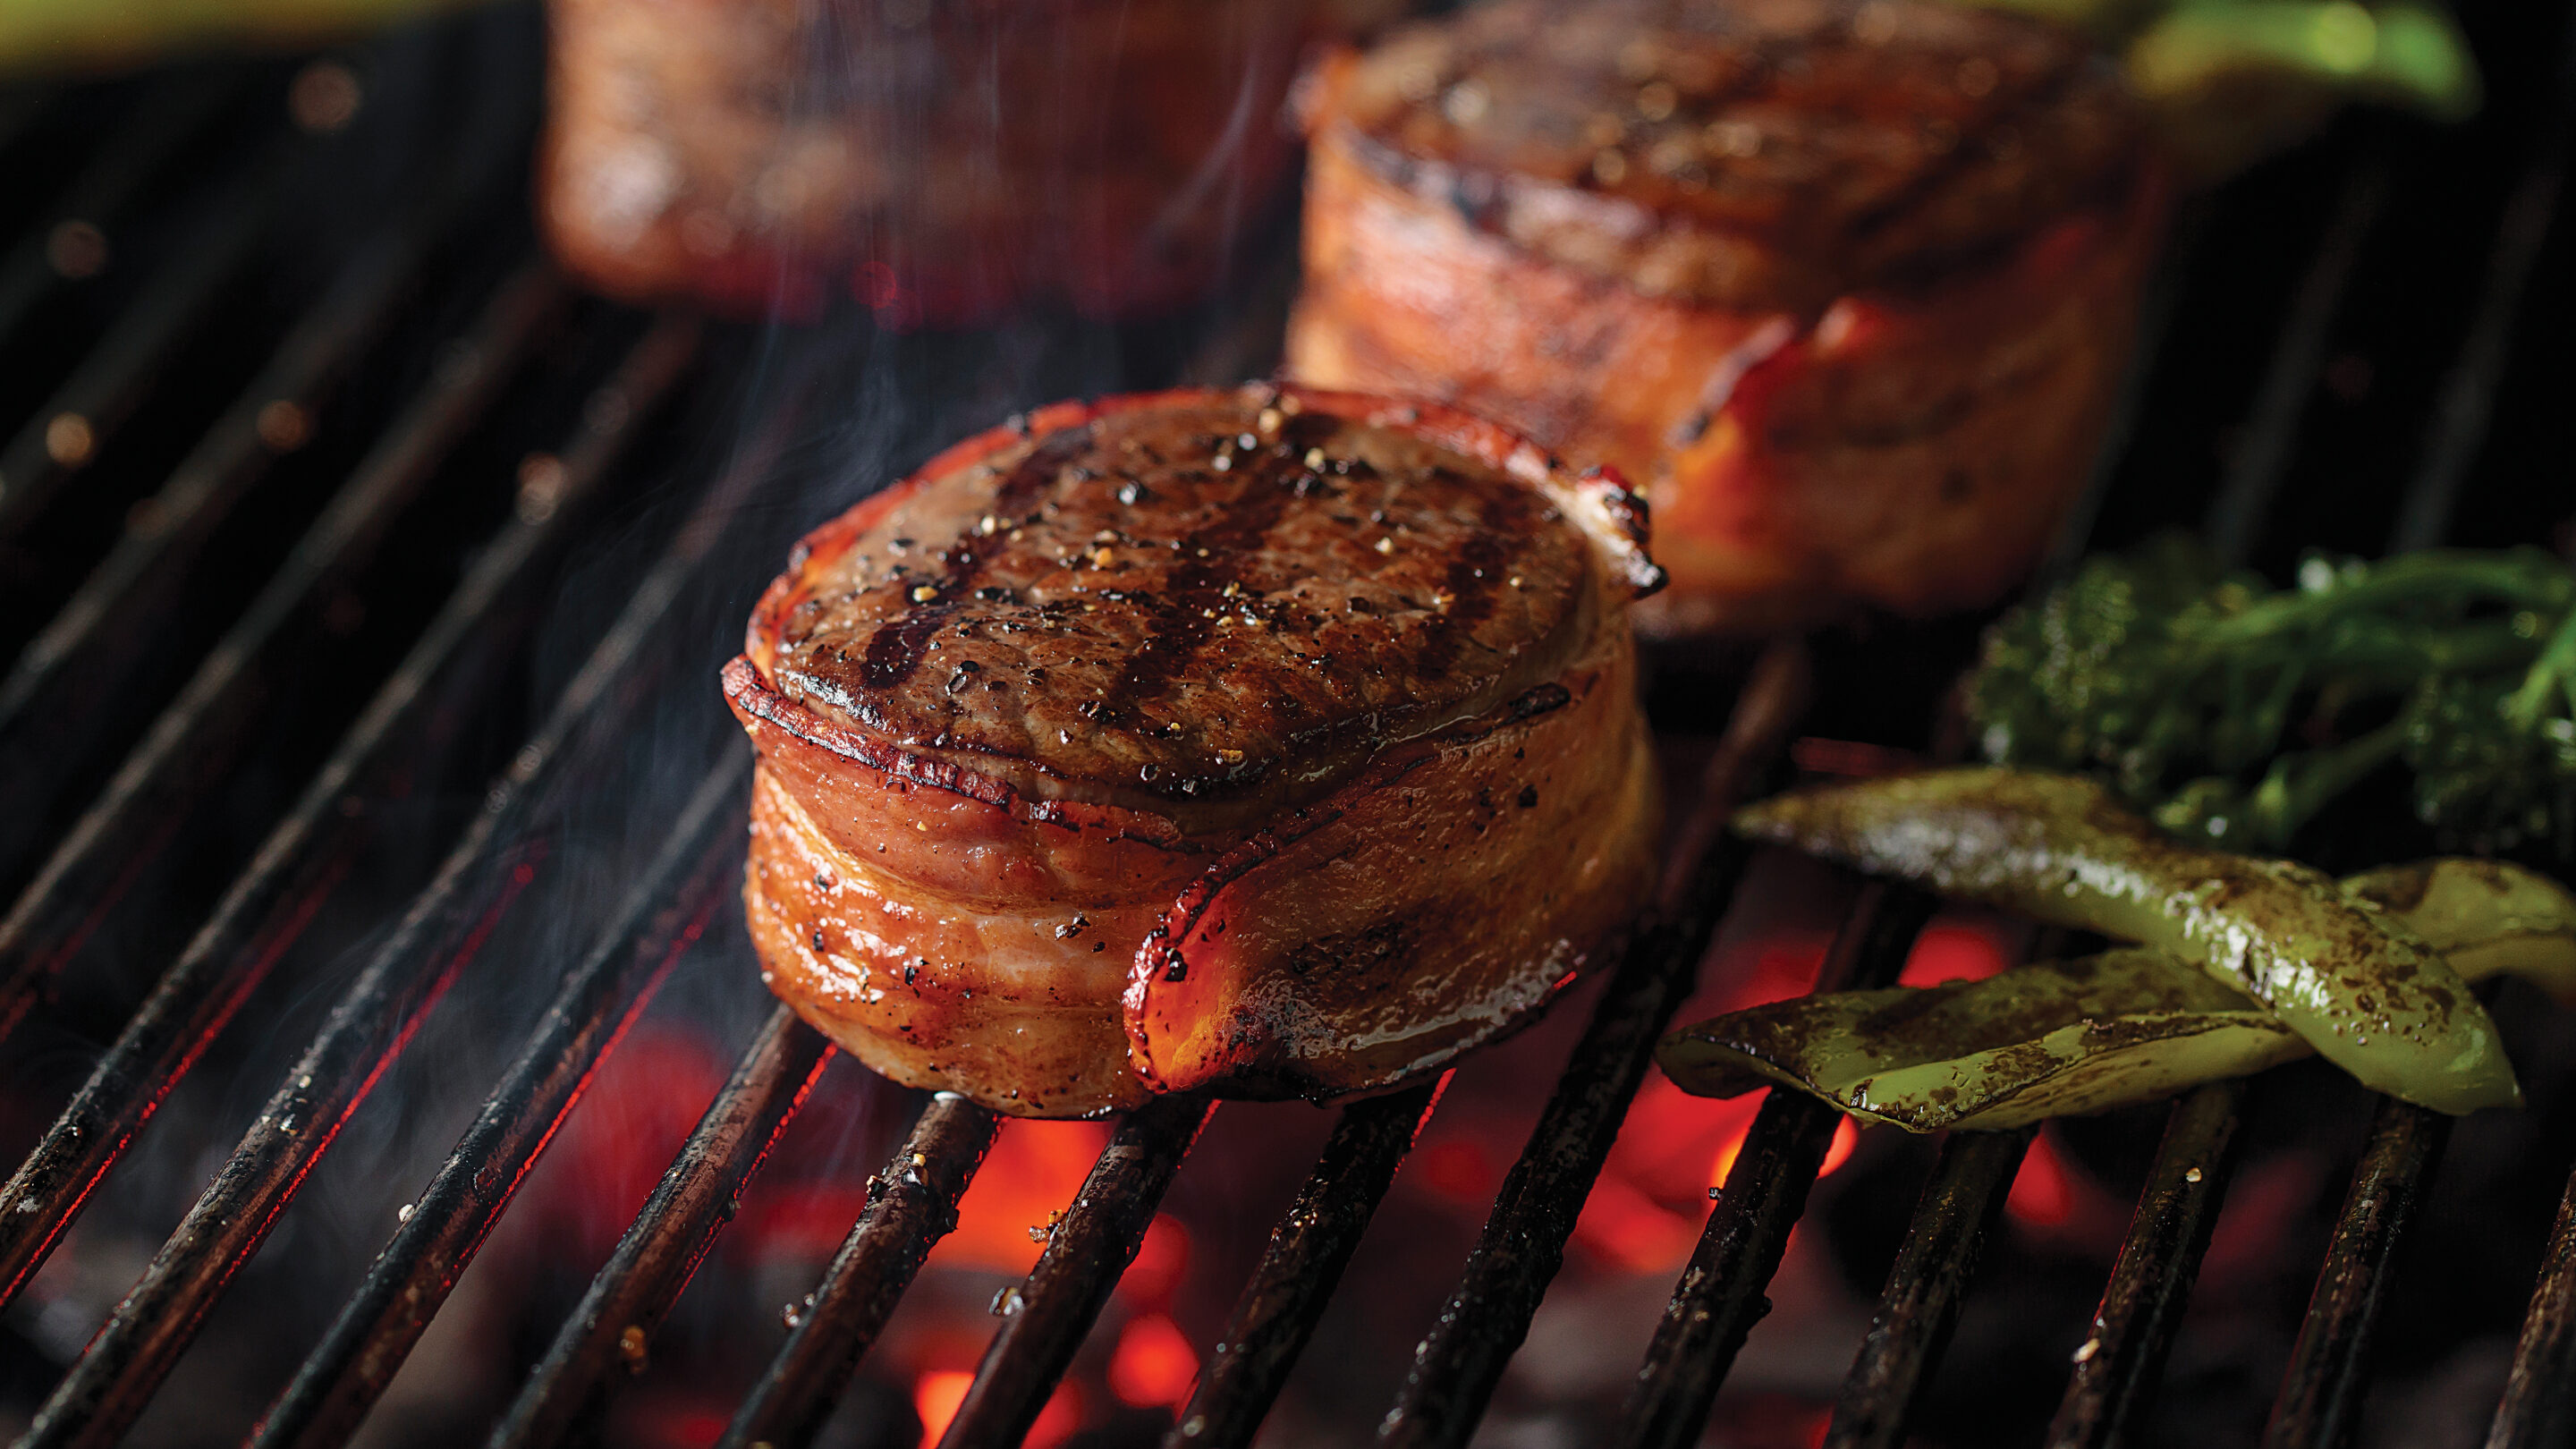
1784,965
1647,1208
1632,1232
935,1398
1162,1261
1837,1152
633,1118
2041,1196
1035,1169
1154,1365
1954,950
1460,1170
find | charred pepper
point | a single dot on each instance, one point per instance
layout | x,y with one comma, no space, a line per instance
2347,977
2064,1038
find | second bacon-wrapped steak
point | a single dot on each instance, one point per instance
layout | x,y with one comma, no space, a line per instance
1264,742
1847,283
943,161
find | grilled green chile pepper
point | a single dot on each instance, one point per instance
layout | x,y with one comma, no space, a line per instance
2052,1039
2354,983
2486,917
2064,1038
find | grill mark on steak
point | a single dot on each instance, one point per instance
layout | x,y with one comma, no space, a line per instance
1211,558
1475,575
895,652
2016,117
1769,154
1227,603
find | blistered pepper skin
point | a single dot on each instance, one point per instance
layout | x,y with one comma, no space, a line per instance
2355,983
2067,1038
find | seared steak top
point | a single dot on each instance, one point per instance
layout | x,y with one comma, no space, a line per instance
1220,598
1746,152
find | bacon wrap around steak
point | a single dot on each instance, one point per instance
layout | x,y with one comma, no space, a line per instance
1271,742
1849,283
940,160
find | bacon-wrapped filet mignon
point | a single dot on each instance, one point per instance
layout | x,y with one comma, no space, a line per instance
1848,283
940,161
1267,742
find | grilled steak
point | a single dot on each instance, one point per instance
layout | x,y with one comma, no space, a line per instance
939,161
1848,281
1264,742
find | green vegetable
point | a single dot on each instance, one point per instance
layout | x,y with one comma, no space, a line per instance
2486,917
2233,712
2347,977
2064,1038
2052,1039
94,34
2230,80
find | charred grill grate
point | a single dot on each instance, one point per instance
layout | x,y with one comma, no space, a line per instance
434,355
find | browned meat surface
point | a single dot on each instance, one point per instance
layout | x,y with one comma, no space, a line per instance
1847,283
1264,742
1180,605
939,161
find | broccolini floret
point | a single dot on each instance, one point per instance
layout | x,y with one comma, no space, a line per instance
2233,712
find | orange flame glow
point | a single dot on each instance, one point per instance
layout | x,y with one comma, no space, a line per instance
1154,1365
936,1396
1837,1152
1647,1208
1034,1171
1162,1261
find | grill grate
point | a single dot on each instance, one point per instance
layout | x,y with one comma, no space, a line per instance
522,363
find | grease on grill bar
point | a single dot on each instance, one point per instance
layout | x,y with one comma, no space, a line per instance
78,419
2122,1356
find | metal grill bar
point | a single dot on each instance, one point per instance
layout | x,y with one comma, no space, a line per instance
148,561
2253,481
52,919
661,918
2323,1392
368,1027
613,1327
2329,1375
167,120
1921,1305
2121,1360
1308,1251
345,1375
80,418
260,913
911,1205
1044,1320
144,570
2539,1408
1720,1295
1458,1365
2460,419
